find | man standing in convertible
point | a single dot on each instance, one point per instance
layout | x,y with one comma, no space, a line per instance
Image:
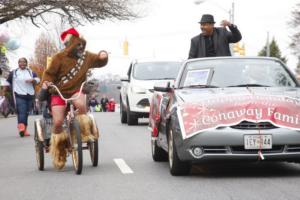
213,41
68,71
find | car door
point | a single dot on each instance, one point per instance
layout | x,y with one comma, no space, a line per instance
125,86
166,104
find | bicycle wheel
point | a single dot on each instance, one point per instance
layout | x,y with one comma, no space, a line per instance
76,146
93,147
39,149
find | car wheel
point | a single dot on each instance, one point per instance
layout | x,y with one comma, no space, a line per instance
132,119
123,114
177,167
158,154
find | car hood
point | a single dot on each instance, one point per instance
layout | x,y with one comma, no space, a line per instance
194,94
202,109
148,84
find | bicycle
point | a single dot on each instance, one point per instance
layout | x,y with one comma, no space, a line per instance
42,136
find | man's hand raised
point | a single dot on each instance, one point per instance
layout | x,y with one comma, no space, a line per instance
225,23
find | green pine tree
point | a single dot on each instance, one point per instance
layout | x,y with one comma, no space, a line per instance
274,51
298,67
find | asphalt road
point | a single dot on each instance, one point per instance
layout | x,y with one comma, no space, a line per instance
126,171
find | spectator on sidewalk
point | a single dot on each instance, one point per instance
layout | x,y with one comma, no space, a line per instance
93,103
104,102
22,81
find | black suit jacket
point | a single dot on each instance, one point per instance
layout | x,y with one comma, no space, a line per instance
221,38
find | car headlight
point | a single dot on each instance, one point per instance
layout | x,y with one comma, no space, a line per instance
138,90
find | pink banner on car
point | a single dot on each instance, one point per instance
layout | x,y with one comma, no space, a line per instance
227,110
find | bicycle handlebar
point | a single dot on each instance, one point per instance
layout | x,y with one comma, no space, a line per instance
71,98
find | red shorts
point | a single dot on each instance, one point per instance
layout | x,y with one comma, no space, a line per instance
56,100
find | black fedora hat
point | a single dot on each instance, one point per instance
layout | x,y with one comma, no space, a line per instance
207,18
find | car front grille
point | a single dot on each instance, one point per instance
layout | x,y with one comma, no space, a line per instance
242,150
254,126
293,148
214,149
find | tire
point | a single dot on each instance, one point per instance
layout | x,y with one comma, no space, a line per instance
93,148
123,114
158,154
177,167
39,150
76,146
132,119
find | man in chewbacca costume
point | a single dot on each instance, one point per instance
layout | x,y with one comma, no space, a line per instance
68,71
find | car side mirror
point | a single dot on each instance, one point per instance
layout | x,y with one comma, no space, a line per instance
125,79
162,86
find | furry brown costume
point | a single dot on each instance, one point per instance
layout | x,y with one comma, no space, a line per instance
68,71
58,149
88,127
64,61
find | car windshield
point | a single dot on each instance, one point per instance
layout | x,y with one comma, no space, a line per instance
156,70
236,73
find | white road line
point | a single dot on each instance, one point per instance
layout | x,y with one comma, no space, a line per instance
125,169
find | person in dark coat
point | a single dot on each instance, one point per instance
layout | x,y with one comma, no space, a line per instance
213,41
93,103
104,102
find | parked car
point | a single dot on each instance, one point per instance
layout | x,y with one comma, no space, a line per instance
137,88
226,108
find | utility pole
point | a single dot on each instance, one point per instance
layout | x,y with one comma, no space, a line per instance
268,45
232,12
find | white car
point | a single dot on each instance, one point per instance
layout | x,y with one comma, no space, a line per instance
137,88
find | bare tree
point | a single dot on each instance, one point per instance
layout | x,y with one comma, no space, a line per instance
44,47
295,24
76,12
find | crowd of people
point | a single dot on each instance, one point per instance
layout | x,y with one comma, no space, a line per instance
68,71
104,105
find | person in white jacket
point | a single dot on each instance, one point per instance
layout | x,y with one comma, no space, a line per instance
22,81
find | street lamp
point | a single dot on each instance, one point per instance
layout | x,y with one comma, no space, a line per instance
230,11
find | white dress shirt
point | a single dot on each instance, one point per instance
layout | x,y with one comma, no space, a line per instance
19,81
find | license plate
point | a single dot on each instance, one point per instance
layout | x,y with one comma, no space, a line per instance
258,141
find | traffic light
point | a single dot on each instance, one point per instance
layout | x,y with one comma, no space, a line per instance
236,47
242,50
125,48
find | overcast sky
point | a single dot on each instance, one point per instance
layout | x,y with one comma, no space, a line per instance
169,25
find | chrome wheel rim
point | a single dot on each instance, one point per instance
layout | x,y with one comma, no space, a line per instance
92,150
153,146
121,110
75,157
171,149
37,155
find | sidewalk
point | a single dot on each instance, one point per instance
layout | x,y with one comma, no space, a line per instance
9,116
